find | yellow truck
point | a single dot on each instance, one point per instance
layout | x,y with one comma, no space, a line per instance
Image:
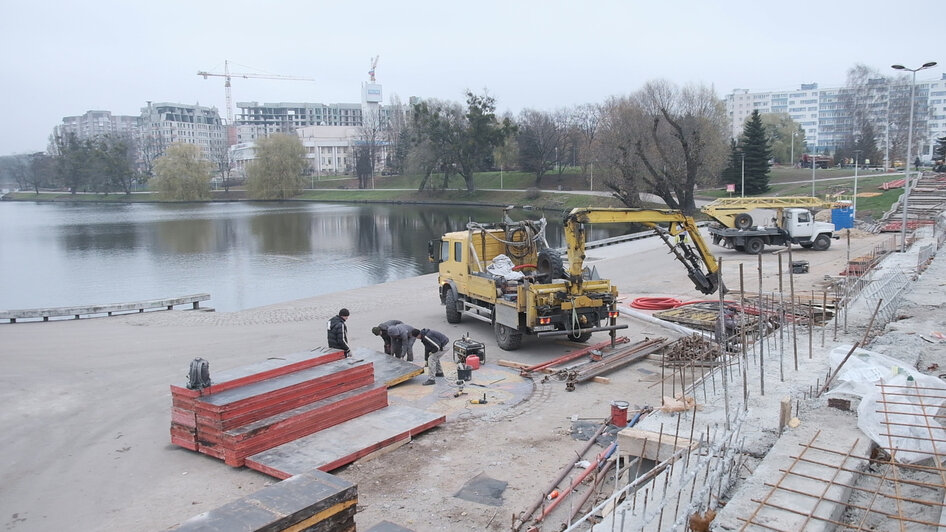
505,273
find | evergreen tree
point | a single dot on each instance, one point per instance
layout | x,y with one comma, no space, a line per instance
733,171
755,146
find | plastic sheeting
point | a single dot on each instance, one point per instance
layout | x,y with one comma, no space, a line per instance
503,267
904,420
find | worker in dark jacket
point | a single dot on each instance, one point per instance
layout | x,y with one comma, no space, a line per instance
382,330
402,343
434,343
338,332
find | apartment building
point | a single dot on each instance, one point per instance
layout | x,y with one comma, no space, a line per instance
255,121
827,120
97,123
166,123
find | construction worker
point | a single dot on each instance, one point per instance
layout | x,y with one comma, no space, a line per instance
434,343
402,343
338,332
382,330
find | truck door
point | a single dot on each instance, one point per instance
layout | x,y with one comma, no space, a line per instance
801,224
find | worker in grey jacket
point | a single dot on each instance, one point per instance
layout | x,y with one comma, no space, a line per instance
402,343
434,343
382,330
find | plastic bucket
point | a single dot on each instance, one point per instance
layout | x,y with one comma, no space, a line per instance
473,361
464,374
619,413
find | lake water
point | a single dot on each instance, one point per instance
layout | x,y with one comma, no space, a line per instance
244,254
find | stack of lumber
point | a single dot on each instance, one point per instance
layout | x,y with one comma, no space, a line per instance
311,501
260,407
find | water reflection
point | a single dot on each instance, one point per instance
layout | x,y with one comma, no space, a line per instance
244,254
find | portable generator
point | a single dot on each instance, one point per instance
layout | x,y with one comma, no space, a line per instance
467,346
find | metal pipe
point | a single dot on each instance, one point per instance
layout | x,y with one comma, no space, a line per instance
517,524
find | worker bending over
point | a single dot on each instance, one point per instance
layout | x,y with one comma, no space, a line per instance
402,343
382,330
434,343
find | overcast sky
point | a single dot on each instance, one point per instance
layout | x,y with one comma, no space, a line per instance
63,58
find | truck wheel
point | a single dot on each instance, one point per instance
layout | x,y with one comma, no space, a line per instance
821,243
507,338
755,245
548,266
743,221
453,312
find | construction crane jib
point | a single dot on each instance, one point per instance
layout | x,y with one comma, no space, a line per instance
227,75
374,64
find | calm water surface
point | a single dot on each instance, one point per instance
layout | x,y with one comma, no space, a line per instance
244,254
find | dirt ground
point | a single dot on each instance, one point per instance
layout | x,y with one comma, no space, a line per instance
89,400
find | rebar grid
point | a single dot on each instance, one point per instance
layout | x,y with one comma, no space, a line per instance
706,471
901,497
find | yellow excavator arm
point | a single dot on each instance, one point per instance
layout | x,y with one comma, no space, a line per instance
669,224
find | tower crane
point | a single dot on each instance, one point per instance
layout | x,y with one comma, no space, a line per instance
227,75
374,63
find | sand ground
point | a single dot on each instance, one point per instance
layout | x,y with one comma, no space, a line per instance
87,402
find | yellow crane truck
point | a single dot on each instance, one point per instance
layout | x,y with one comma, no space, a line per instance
794,223
505,273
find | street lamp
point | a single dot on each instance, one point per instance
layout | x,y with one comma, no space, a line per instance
906,168
743,189
794,134
814,164
854,211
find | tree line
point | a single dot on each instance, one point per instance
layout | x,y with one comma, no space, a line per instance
663,139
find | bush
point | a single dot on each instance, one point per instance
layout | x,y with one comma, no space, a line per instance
533,193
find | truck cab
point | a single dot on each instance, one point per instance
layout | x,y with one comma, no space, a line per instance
804,230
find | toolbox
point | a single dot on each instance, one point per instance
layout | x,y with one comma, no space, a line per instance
799,266
467,346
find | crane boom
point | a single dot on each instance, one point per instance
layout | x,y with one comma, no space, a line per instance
730,211
699,262
374,64
227,75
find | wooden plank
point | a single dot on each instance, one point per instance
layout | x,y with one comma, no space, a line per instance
82,310
260,371
313,500
344,443
644,443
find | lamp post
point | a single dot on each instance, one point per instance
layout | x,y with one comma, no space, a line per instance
742,191
854,212
794,134
906,167
814,164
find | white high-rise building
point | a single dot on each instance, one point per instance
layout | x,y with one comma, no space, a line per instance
823,116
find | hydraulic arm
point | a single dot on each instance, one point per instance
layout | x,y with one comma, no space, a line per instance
692,252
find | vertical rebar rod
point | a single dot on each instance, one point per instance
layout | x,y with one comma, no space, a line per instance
824,314
811,325
791,295
761,341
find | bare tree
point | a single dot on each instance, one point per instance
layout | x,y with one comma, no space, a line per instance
585,123
538,140
686,142
620,126
371,136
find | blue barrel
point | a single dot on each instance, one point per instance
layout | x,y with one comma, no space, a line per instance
842,218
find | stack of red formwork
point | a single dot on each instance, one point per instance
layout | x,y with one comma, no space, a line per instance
183,400
263,406
259,408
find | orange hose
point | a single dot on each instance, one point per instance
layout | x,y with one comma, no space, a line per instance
663,303
655,303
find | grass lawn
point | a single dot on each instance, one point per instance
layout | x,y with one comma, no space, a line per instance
519,188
